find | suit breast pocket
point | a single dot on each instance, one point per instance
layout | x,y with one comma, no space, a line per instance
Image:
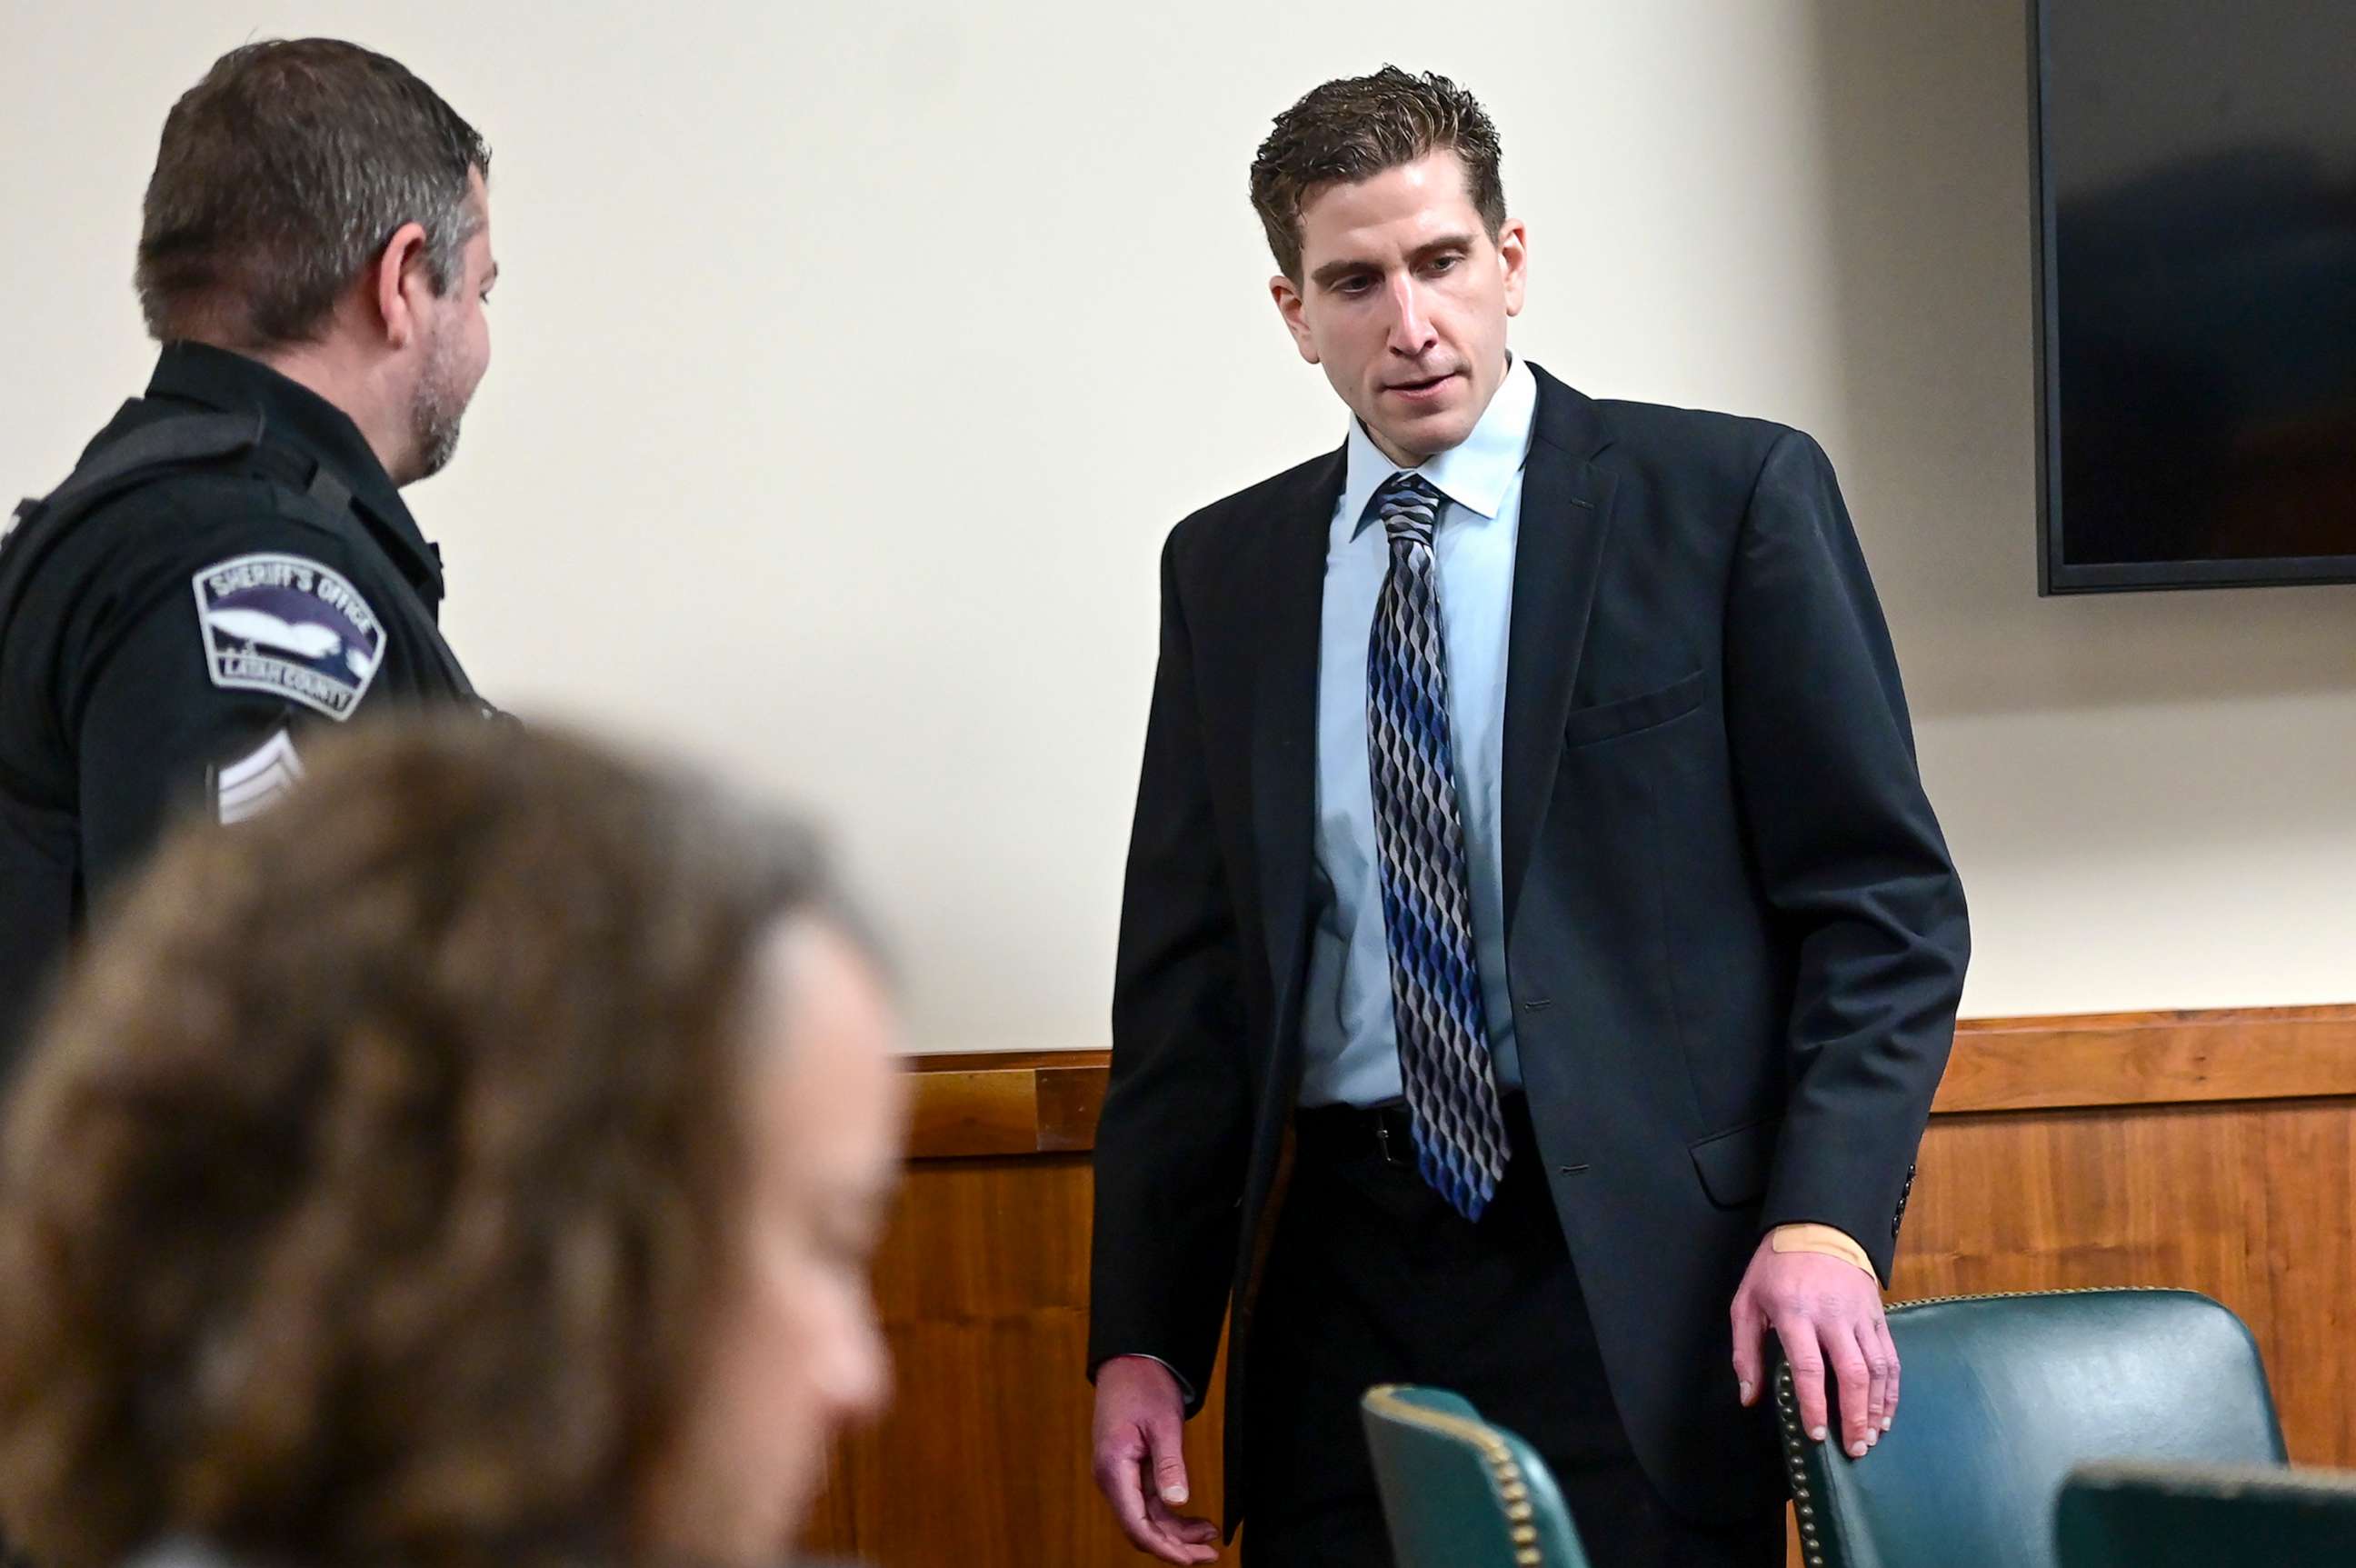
1608,721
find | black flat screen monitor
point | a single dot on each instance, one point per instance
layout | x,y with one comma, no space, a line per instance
2196,171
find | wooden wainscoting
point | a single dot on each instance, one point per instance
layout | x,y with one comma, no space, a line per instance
2214,1150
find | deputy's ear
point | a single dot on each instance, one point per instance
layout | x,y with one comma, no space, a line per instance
400,270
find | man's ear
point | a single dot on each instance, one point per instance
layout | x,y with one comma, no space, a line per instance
401,268
1514,256
1289,305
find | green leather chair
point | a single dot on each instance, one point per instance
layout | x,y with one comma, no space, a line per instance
2000,1397
2205,1516
1460,1493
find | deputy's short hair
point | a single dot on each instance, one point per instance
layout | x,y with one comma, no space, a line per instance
282,176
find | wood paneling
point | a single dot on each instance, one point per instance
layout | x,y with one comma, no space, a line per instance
2215,1151
2249,1201
984,1458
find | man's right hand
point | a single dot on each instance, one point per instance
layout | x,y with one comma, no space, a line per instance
1140,1417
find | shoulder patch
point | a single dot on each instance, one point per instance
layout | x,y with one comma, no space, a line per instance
287,626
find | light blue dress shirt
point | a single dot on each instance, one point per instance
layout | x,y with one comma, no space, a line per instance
1351,1044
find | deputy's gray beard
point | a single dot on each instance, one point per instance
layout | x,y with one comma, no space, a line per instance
440,405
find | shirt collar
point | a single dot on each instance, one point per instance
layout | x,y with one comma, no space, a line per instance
296,418
1475,474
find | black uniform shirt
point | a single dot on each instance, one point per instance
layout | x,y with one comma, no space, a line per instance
172,647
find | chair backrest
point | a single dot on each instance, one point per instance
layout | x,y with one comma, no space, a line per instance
1460,1493
2000,1397
2198,1516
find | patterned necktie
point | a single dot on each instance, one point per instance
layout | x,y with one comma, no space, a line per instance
1444,1038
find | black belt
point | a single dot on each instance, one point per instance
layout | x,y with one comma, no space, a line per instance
1386,1132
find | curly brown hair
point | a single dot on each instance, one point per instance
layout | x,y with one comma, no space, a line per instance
1353,128
376,1174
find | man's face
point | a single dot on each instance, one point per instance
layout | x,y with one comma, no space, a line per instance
458,349
1403,299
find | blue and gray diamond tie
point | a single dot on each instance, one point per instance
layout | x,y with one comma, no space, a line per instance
1444,1038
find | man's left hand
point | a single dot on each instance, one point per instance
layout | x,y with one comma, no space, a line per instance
1827,1313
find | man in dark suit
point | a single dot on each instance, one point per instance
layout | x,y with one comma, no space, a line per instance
1538,953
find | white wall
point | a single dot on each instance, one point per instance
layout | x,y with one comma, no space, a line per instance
852,360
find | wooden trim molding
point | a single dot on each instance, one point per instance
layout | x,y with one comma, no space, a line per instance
979,1104
2151,1058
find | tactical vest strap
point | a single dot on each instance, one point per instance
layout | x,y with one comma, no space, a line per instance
173,443
151,452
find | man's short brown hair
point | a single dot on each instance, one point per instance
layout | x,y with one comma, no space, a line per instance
369,1194
1355,128
280,178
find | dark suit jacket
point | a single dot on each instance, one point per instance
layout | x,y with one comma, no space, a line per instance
1734,937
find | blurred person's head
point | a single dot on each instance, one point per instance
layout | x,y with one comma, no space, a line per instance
1384,209
317,206
475,1160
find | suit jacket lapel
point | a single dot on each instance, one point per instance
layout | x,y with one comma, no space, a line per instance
1559,556
1287,616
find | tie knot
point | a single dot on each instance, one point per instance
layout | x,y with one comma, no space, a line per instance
1408,507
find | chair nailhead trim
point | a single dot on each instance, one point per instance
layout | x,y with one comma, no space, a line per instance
1803,1500
1505,1475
